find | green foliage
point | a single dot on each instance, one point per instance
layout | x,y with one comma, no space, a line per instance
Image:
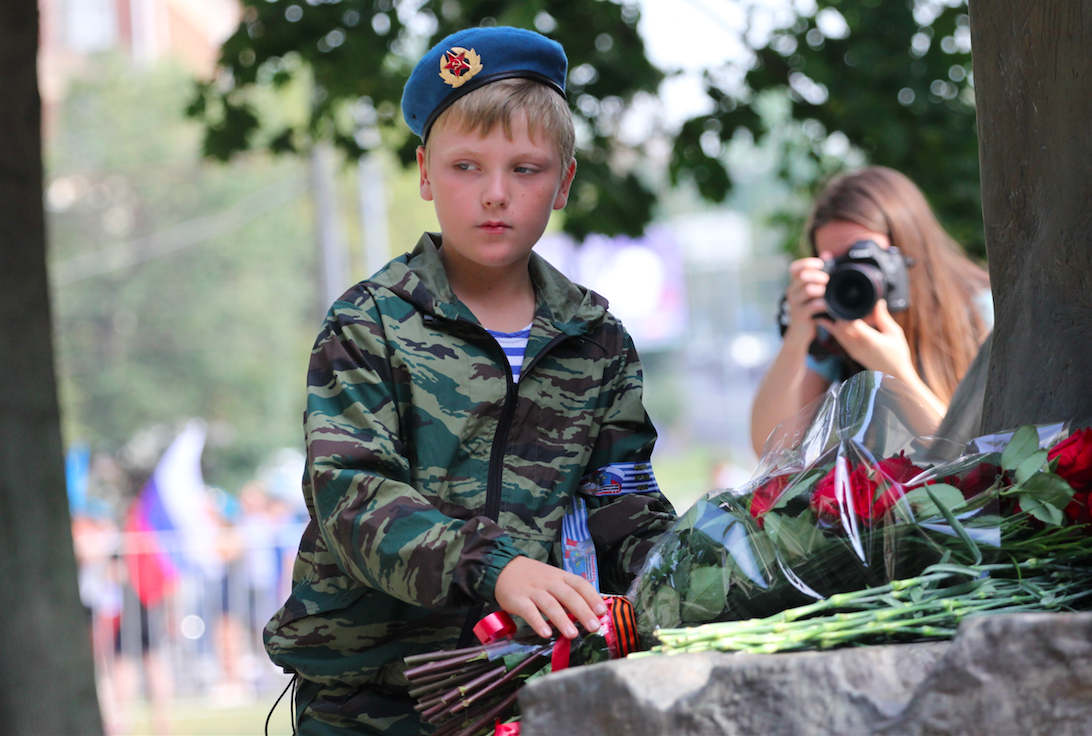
895,81
155,324
798,536
1038,489
923,500
953,522
1023,445
689,158
355,56
896,84
604,201
1045,496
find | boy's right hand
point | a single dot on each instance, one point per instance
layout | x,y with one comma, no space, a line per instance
531,589
805,297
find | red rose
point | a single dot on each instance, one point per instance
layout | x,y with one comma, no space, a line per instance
1074,456
899,468
1078,510
765,496
976,480
862,484
823,503
871,508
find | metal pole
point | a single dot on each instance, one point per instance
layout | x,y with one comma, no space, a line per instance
331,236
373,213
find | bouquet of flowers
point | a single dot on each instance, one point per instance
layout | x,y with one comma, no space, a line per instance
851,496
472,691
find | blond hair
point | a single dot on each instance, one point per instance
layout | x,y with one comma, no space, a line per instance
499,103
942,325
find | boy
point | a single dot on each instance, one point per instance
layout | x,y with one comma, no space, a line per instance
440,465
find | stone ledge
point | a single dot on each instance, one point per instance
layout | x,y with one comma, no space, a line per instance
1018,674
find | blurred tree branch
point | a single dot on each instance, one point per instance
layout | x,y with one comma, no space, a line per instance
356,55
891,81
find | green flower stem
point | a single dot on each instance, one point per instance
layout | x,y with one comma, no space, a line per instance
881,614
839,600
825,634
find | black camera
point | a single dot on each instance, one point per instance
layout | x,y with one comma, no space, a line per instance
863,276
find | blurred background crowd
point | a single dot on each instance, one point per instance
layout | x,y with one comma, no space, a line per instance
180,577
192,256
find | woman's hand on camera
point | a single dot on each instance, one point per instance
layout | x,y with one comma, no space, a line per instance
805,297
880,348
884,348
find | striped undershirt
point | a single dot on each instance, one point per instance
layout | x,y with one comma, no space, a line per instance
514,345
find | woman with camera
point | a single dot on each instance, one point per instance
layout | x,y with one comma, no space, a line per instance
924,307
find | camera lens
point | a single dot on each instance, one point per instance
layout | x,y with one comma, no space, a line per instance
853,290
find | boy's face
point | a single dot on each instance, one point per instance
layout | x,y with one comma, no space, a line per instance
493,196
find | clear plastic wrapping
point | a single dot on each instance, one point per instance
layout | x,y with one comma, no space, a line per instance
848,494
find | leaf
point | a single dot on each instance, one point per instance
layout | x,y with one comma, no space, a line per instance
511,661
1024,443
665,607
802,485
1044,512
705,594
922,503
796,535
1032,465
773,525
1047,488
976,553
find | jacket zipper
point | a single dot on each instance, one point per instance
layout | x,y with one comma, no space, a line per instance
493,489
495,477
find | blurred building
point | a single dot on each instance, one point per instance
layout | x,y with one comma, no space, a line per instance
699,297
140,30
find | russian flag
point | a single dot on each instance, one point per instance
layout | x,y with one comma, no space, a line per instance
170,527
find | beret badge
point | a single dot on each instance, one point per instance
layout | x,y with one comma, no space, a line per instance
458,65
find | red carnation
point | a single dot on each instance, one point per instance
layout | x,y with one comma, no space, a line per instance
1074,456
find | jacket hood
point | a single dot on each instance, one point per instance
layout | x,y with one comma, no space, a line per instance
419,278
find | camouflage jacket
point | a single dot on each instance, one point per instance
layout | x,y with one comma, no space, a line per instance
428,469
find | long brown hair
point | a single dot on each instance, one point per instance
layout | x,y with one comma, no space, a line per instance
942,325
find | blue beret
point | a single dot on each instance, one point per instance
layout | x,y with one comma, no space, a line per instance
472,58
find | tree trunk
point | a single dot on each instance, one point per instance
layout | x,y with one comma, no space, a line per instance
1033,84
47,683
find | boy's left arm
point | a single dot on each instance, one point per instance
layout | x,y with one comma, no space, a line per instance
625,527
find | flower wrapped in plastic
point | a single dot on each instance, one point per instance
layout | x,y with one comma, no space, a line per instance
1041,479
858,529
849,494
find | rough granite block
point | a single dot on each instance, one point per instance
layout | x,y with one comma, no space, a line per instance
1013,674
